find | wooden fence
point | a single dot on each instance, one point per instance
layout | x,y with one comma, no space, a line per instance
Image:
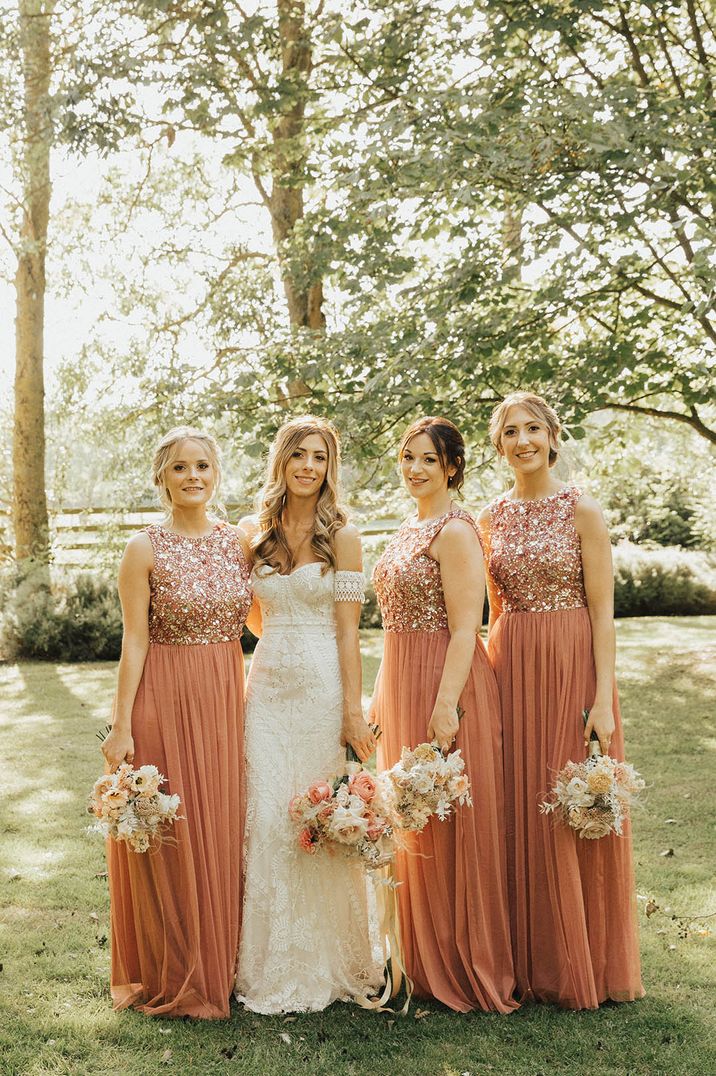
90,537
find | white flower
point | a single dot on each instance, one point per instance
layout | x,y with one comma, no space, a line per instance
347,825
146,780
423,781
578,793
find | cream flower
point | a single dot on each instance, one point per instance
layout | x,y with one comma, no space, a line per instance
578,793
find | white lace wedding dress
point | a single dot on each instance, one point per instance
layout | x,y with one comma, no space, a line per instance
306,937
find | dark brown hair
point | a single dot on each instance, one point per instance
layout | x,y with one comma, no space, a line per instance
447,441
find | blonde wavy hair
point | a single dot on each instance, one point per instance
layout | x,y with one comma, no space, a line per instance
536,406
270,545
167,451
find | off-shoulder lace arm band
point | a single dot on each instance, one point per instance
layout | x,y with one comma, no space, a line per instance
350,587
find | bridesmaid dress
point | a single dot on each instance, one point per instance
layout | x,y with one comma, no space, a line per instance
572,901
175,909
453,900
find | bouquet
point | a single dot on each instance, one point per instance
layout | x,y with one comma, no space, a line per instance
595,796
350,815
426,782
128,806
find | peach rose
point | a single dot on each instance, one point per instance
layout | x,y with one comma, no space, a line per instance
461,784
363,785
116,797
376,826
305,839
319,791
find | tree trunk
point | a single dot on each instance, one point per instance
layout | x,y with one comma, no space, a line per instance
304,293
512,243
29,499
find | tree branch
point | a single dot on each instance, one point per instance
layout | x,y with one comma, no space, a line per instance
692,419
700,50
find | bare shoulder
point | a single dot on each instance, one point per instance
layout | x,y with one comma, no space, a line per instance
483,518
348,535
456,539
348,548
138,554
458,531
588,516
248,526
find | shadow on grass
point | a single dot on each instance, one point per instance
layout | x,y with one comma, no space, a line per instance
642,1039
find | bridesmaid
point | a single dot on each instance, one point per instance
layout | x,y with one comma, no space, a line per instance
551,641
430,584
185,593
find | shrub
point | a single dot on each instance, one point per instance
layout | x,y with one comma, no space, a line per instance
663,582
77,618
370,613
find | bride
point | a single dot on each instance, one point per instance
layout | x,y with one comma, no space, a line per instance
305,938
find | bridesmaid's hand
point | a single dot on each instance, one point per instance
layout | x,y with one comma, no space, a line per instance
117,747
601,720
357,732
443,726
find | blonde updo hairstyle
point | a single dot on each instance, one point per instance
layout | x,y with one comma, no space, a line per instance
167,451
537,407
270,545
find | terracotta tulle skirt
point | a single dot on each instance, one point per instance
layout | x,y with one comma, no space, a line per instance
572,901
175,910
453,900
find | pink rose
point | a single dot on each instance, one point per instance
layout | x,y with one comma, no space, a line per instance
319,791
376,826
305,839
296,808
363,785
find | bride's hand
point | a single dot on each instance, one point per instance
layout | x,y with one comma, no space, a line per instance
356,732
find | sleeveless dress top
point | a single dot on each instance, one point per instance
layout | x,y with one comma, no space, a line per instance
407,579
452,896
176,910
200,588
534,554
572,906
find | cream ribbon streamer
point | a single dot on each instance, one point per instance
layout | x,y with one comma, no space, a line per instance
394,966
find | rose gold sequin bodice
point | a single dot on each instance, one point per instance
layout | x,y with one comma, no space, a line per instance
200,589
534,554
407,581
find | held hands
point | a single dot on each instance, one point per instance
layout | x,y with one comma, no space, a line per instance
601,721
357,732
443,725
116,747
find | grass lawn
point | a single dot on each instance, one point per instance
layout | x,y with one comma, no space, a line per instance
55,1014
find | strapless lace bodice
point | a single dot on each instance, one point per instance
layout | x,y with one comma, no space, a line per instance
533,553
306,597
407,579
200,590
